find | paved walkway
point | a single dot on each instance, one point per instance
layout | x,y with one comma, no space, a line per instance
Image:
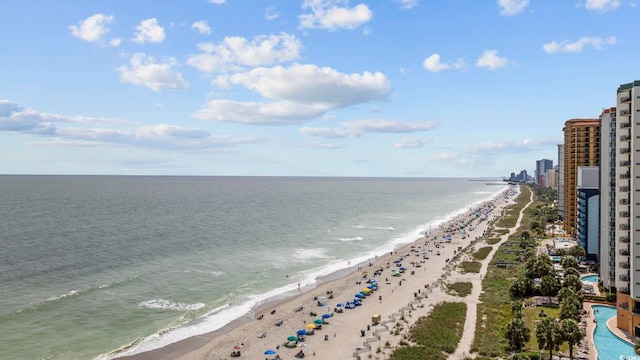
472,300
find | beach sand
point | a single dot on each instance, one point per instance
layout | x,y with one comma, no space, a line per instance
399,300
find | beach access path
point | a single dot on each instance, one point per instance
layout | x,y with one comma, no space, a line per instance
400,300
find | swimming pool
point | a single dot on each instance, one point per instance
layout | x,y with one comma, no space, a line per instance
608,345
590,278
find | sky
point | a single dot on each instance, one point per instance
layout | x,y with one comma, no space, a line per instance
384,88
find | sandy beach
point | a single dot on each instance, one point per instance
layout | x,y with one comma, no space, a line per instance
400,298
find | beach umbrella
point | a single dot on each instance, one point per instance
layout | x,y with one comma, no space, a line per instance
318,321
358,295
302,345
237,346
326,316
371,287
363,293
270,352
339,304
302,332
366,290
310,326
292,338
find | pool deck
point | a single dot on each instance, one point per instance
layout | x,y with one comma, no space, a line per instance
592,354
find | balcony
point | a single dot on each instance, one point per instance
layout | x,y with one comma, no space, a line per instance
625,125
624,278
623,305
625,176
624,201
624,239
625,138
624,214
625,150
624,265
624,227
624,188
625,99
625,163
624,290
624,252
624,112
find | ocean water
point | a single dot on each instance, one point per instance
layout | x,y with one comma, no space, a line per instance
92,267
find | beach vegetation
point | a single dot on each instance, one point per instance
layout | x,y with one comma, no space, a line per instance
482,253
461,289
517,333
436,334
549,335
470,266
493,240
571,333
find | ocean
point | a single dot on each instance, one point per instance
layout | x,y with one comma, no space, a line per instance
94,267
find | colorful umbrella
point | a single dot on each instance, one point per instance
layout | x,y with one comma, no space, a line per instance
302,332
326,316
318,321
292,338
270,352
358,295
310,326
302,345
237,346
339,304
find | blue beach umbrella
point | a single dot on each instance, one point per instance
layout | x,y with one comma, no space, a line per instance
270,352
326,316
358,295
302,332
339,304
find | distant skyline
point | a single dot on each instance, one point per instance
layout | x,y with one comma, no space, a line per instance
391,88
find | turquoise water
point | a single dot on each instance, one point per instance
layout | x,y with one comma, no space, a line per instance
608,345
556,259
590,278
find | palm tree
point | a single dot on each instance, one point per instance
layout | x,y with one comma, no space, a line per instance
573,282
548,335
517,333
549,286
564,293
569,262
571,333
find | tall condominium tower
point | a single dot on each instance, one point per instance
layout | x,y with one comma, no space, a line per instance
581,148
560,183
541,171
607,234
627,213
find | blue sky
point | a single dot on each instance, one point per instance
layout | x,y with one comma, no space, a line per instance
304,87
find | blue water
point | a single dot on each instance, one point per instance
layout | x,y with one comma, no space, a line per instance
590,278
608,345
556,259
91,266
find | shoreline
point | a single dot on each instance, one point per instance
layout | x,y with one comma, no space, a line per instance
218,344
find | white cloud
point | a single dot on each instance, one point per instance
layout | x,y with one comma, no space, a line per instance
255,113
512,7
93,28
17,119
602,5
270,13
411,143
145,71
433,64
149,31
217,1
490,59
577,46
235,52
472,153
333,15
202,27
351,129
407,4
310,84
115,42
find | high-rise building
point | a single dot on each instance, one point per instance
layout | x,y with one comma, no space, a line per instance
588,210
560,184
581,148
541,170
627,213
607,258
